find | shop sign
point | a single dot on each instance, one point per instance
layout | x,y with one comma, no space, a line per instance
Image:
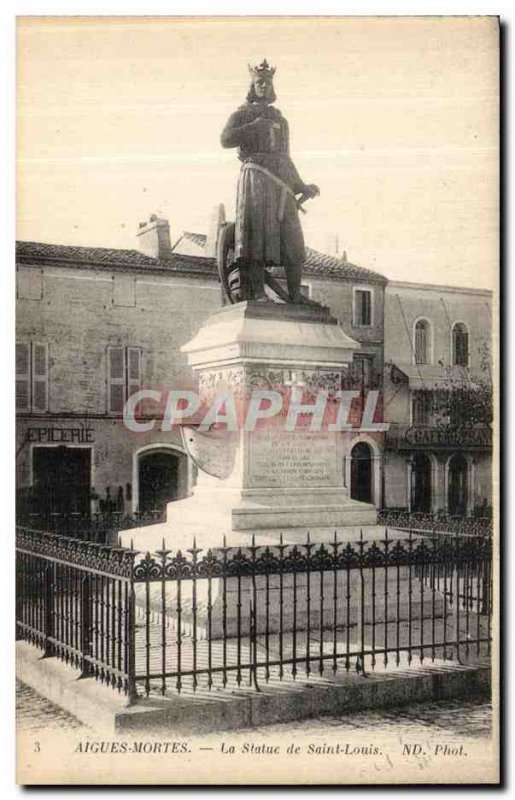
60,435
448,437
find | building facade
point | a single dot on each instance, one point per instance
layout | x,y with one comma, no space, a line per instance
438,399
94,325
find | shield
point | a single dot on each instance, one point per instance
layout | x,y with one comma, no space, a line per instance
213,452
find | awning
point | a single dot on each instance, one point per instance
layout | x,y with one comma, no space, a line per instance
427,376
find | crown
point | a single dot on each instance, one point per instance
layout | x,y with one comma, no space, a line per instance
264,67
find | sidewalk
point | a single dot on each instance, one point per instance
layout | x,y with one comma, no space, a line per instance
235,707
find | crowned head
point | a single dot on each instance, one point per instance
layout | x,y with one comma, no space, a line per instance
262,86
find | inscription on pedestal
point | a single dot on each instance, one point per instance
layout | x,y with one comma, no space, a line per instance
297,459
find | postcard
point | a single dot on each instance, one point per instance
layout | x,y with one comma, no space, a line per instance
257,381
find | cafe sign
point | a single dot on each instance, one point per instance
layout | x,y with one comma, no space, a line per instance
448,437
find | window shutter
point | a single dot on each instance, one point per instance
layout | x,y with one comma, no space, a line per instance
357,307
29,284
422,407
365,310
421,343
22,376
460,345
465,347
133,370
116,379
39,377
363,307
124,291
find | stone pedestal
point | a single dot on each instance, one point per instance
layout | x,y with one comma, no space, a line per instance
269,481
272,481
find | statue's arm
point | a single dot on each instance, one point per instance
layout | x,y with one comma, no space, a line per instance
235,132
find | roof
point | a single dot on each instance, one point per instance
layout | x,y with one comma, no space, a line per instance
317,264
321,264
436,287
109,258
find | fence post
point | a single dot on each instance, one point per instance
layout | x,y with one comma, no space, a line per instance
48,588
132,694
85,624
485,566
360,621
455,591
20,594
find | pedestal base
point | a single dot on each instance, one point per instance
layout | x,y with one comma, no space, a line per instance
209,517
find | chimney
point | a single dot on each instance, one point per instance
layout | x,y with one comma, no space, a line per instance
154,237
344,257
217,220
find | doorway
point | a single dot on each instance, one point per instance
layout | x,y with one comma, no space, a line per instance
61,480
458,486
421,489
158,479
361,473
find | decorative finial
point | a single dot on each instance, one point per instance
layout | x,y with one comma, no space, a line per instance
264,67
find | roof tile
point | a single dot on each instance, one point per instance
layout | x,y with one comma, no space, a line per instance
110,258
316,263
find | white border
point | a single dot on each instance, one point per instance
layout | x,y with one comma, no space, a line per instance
7,216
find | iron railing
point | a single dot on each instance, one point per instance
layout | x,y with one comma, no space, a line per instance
401,519
174,621
102,528
75,601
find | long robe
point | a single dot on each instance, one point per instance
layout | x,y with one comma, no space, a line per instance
261,236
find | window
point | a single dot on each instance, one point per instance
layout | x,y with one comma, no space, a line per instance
362,369
29,283
460,345
31,376
123,376
421,408
362,307
124,291
422,342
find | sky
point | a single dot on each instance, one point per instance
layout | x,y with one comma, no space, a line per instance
395,119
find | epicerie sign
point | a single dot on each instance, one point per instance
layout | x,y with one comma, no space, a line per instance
58,435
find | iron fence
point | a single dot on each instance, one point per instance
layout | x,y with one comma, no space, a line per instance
75,601
173,621
434,523
102,528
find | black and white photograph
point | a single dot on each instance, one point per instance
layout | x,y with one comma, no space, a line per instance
257,379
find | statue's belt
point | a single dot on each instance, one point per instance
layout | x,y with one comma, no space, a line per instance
286,190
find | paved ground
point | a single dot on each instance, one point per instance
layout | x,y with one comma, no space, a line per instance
35,713
471,720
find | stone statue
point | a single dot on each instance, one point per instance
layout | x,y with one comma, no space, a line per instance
270,193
